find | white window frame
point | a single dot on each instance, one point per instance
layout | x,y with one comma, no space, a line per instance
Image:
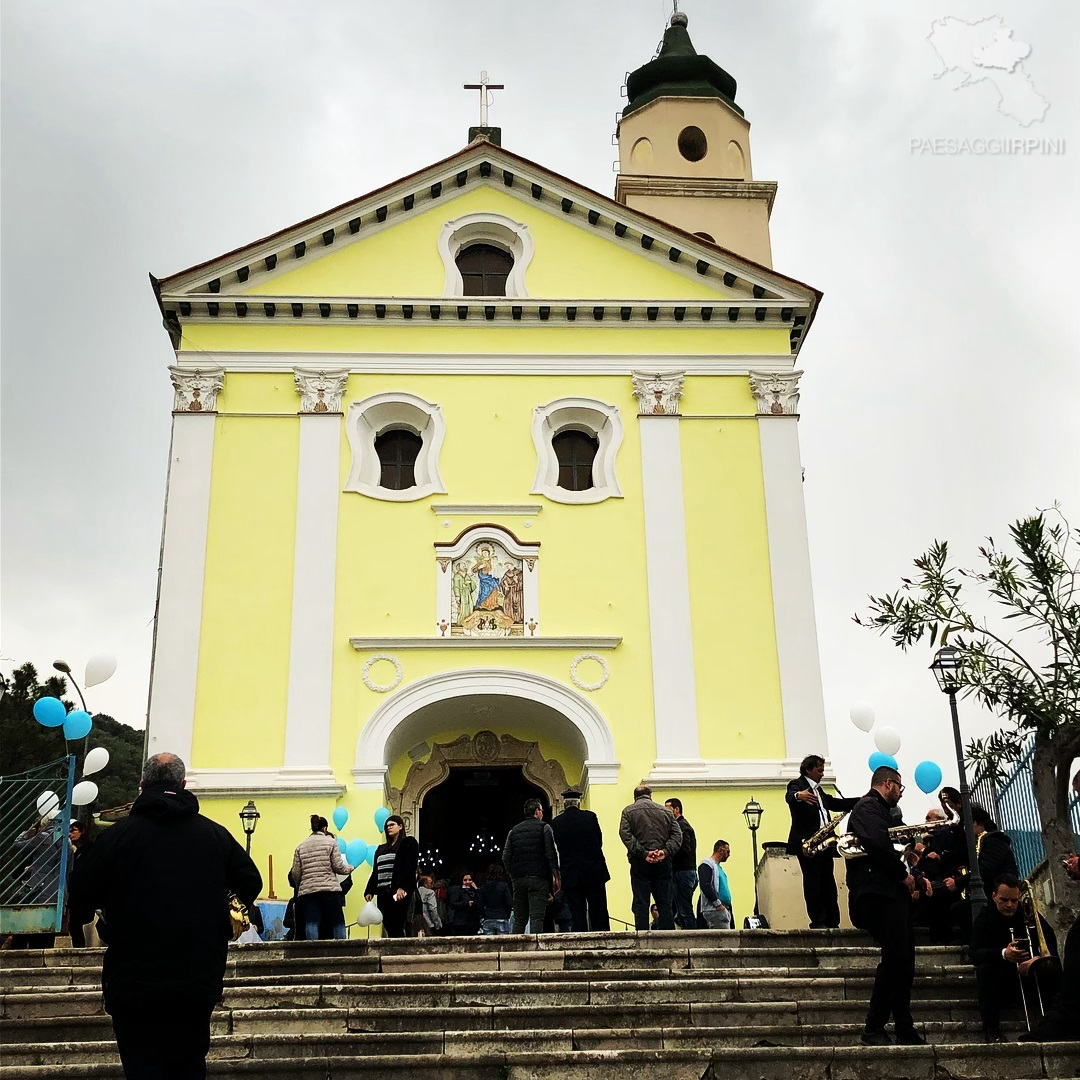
499,231
368,419
596,418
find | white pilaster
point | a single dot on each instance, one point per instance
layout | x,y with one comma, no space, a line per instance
674,692
175,663
789,561
311,645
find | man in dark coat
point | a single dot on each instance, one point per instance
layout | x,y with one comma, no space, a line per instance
1003,955
684,870
165,871
532,863
583,867
879,899
810,806
652,837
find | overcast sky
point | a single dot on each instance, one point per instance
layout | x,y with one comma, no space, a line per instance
942,387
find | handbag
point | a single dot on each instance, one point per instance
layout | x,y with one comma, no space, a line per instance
238,916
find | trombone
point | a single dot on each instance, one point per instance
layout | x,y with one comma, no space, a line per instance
1035,937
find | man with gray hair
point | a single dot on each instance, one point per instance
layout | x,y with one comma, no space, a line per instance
164,864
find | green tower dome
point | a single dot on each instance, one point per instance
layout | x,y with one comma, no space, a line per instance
678,71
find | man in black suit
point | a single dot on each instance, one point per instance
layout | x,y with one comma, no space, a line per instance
810,804
584,871
879,899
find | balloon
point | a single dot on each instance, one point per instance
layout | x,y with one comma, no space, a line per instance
380,818
371,854
95,761
356,852
77,724
887,740
877,759
341,815
98,669
862,716
341,844
84,792
370,915
928,776
49,711
47,804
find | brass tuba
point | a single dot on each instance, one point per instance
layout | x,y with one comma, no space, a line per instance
901,835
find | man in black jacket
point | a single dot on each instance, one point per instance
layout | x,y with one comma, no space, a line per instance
684,870
532,862
1001,953
165,869
810,805
582,865
879,899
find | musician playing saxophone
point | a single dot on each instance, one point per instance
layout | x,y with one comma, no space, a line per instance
1005,957
879,898
810,804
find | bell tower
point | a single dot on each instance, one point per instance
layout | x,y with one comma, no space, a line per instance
684,150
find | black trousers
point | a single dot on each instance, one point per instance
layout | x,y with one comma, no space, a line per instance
1060,1019
393,913
167,1042
588,907
651,879
819,891
889,923
530,903
1000,985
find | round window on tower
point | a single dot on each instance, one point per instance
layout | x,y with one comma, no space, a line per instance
692,143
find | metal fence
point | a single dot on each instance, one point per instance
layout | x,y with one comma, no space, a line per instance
1012,805
35,811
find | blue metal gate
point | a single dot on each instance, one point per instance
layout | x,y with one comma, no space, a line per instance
35,812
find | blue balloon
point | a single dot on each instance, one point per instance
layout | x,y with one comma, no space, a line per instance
342,846
356,852
77,724
877,759
49,711
380,818
341,815
928,776
371,854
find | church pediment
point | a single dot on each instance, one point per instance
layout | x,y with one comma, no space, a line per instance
380,257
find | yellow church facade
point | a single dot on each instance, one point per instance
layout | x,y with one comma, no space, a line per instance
486,483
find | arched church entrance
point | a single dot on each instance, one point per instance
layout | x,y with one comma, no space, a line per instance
464,820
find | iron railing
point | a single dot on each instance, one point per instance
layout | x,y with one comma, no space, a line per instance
34,848
1011,803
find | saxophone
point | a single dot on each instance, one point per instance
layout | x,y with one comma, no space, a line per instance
848,844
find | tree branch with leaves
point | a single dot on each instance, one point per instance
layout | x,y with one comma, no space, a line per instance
1022,663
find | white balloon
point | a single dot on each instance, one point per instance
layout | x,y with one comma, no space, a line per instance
98,669
370,915
862,716
48,805
84,792
95,761
887,740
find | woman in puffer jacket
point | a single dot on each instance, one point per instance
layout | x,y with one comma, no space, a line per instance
317,863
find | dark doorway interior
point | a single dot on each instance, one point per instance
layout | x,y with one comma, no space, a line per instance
464,821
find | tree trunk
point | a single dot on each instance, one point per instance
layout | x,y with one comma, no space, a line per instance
1050,781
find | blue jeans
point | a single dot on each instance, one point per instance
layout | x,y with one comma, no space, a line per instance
323,915
495,926
685,882
655,879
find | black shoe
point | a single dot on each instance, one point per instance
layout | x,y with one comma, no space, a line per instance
993,1035
909,1038
875,1038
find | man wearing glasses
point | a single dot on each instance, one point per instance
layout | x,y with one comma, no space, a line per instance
879,898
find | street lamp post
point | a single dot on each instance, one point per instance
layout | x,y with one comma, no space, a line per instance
249,818
946,668
752,812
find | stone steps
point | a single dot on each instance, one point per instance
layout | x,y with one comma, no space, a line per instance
957,1062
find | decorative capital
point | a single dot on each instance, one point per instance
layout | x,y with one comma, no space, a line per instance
658,395
196,390
320,391
776,393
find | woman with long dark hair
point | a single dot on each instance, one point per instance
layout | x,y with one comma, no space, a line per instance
317,864
393,876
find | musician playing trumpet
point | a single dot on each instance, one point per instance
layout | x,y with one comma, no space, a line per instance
1015,955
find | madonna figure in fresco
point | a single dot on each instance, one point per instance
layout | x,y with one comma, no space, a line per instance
488,596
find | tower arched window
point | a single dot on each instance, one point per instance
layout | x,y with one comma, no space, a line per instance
575,452
484,269
398,450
